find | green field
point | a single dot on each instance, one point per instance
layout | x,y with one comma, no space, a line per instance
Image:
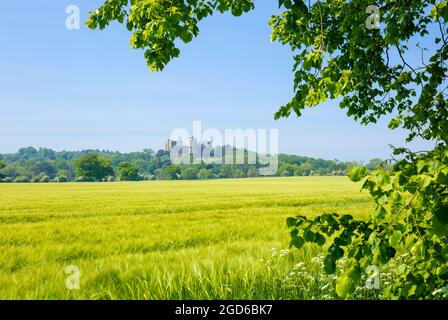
167,239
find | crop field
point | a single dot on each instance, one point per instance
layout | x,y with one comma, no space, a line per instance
215,239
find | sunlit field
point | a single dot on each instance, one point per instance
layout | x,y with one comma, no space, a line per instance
215,239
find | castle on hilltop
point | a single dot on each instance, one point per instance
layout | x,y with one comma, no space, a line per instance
192,143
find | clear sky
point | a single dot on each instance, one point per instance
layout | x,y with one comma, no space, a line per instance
86,89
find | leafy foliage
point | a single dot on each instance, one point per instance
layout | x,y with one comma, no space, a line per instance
190,173
93,168
336,55
127,171
205,174
411,215
157,24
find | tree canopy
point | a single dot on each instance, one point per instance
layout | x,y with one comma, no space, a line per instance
92,167
128,171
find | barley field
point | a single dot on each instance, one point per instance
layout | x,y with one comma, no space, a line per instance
215,239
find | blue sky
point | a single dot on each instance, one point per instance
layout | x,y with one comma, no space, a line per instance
84,89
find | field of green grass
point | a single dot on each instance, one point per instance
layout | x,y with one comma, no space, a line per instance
215,239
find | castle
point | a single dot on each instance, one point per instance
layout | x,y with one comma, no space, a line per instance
192,143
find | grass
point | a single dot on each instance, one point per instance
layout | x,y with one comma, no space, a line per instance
216,239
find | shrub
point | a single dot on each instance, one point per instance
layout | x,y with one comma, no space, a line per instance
62,179
205,174
93,167
189,173
128,172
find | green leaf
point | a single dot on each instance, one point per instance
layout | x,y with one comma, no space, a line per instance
329,264
319,239
441,213
439,222
298,242
442,177
345,286
421,165
395,123
395,239
357,173
291,222
336,252
417,249
309,235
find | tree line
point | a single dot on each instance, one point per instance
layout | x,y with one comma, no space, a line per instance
46,165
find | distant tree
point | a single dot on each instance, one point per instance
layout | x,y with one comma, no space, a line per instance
64,168
375,164
26,153
252,172
93,167
172,171
225,171
62,178
128,171
205,174
162,159
44,167
287,169
149,153
237,172
2,165
63,172
305,169
160,174
146,165
190,173
45,153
